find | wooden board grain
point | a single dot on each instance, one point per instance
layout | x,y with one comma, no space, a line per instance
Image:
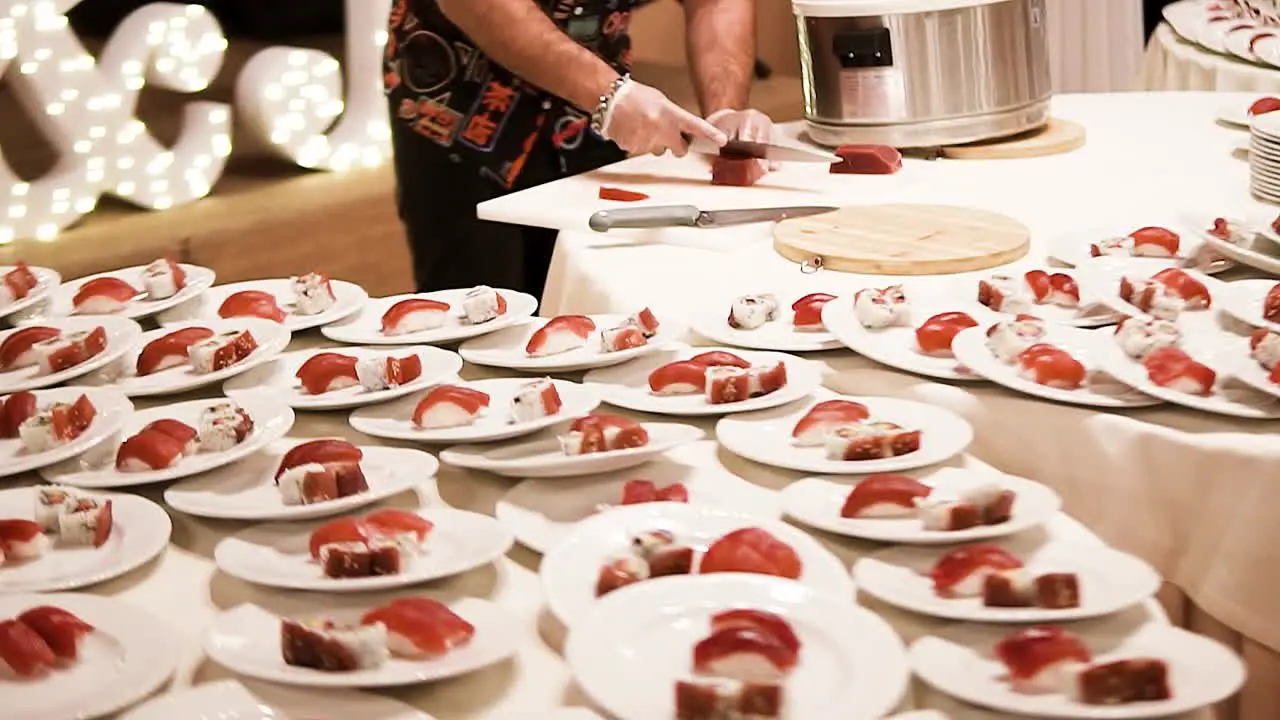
903,239
1056,137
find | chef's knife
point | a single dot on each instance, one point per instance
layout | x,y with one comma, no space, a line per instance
763,151
660,216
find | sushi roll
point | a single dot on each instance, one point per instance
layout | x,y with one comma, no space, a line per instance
62,631
1042,659
750,312
16,351
103,296
312,294
807,312
934,337
69,350
1264,346
149,450
619,573
752,550
871,441
879,308
726,384
52,502
55,425
89,522
535,400
646,321
1051,366
171,350
413,315
603,433
15,410
1121,682
218,352
223,426
23,650
623,337
1005,293
1009,589
683,377
715,698
1139,337
163,278
17,284
1008,338
419,628
1112,247
963,571
1172,368
252,303
482,304
375,557
945,514
380,373
22,540
447,406
1271,305
308,484
886,495
324,644
746,654
560,335
824,418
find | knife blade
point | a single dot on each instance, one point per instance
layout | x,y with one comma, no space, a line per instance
762,151
660,216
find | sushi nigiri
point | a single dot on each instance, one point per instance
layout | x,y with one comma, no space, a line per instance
326,372
871,441
325,645
400,524
884,496
744,653
1270,305
69,349
646,321
1139,337
767,622
535,400
413,315
221,351
1182,284
826,417
716,698
878,308
719,358
1042,659
149,450
86,522
380,373
1008,338
163,278
1053,289
312,294
14,411
419,627
808,311
637,492
623,337
223,426
619,573
1122,681
170,350
482,304
340,456
935,335
603,433
102,296
17,284
16,349
1173,368
752,550
1051,366
252,303
447,406
1143,242
962,572
62,631
753,311
23,650
683,377
1264,346
341,530
1005,293
560,334
22,540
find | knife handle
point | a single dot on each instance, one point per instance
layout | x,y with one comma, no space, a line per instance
657,216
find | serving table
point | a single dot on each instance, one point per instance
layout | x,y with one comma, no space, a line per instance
1171,63
1189,492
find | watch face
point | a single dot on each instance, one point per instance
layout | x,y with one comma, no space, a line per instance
583,28
428,62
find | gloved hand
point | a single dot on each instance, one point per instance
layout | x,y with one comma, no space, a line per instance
749,125
643,120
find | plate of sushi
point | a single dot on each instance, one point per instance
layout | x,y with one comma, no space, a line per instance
323,379
1027,578
383,549
477,411
753,645
699,381
23,286
63,349
1054,362
48,426
298,303
763,322
572,342
176,441
433,318
541,512
894,328
264,701
1171,243
1252,243
80,656
841,435
940,506
591,444
1145,288
58,538
408,641
184,357
133,292
1051,295
1154,357
1258,361
629,545
294,479
1124,666
1254,302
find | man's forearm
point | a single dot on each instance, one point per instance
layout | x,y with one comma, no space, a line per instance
519,36
720,37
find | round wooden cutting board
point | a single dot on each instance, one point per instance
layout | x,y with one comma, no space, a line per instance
1056,137
903,239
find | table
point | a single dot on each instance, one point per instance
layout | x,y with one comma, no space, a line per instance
1171,63
1149,156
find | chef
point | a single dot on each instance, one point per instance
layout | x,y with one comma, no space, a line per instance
493,96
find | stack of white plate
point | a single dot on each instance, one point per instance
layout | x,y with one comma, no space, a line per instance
1264,157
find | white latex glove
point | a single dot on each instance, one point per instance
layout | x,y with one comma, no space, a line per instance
643,120
749,125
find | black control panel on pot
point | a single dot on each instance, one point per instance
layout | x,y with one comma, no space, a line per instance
863,48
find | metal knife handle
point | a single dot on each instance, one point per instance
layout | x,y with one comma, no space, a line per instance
657,216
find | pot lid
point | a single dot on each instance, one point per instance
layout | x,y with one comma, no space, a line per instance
867,8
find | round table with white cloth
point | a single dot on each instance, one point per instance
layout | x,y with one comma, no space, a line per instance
1172,63
1190,492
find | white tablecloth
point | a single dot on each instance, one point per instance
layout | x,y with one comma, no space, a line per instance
1171,63
1095,45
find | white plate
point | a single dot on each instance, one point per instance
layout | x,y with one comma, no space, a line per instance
1102,276
246,639
97,468
816,502
365,328
1073,248
780,335
541,512
1229,397
129,656
627,386
1243,300
231,700
113,408
505,348
278,378
1099,390
205,308
570,569
1237,44
1250,372
1091,312
958,661
1268,50
123,373
140,532
199,279
896,346
1259,254
247,490
765,436
46,281
628,653
394,420
122,336
276,555
1110,580
543,457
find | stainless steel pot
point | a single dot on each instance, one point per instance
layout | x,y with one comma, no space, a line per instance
922,73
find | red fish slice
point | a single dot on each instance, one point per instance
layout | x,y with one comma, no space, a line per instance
15,410
646,321
766,622
1056,289
403,370
20,280
396,314
60,630
1029,651
808,310
467,400
327,451
15,349
342,530
898,491
1264,105
1182,284
327,371
421,627
751,550
1271,305
827,416
391,521
1155,240
601,433
153,449
1172,367
109,288
721,653
251,303
170,350
1054,367
69,421
936,334
23,650
175,429
637,492
683,377
579,326
956,566
719,358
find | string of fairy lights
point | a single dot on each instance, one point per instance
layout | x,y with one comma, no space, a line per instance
290,100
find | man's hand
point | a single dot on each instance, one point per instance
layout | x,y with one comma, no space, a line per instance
749,125
643,120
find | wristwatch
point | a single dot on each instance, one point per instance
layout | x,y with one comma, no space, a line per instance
600,115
